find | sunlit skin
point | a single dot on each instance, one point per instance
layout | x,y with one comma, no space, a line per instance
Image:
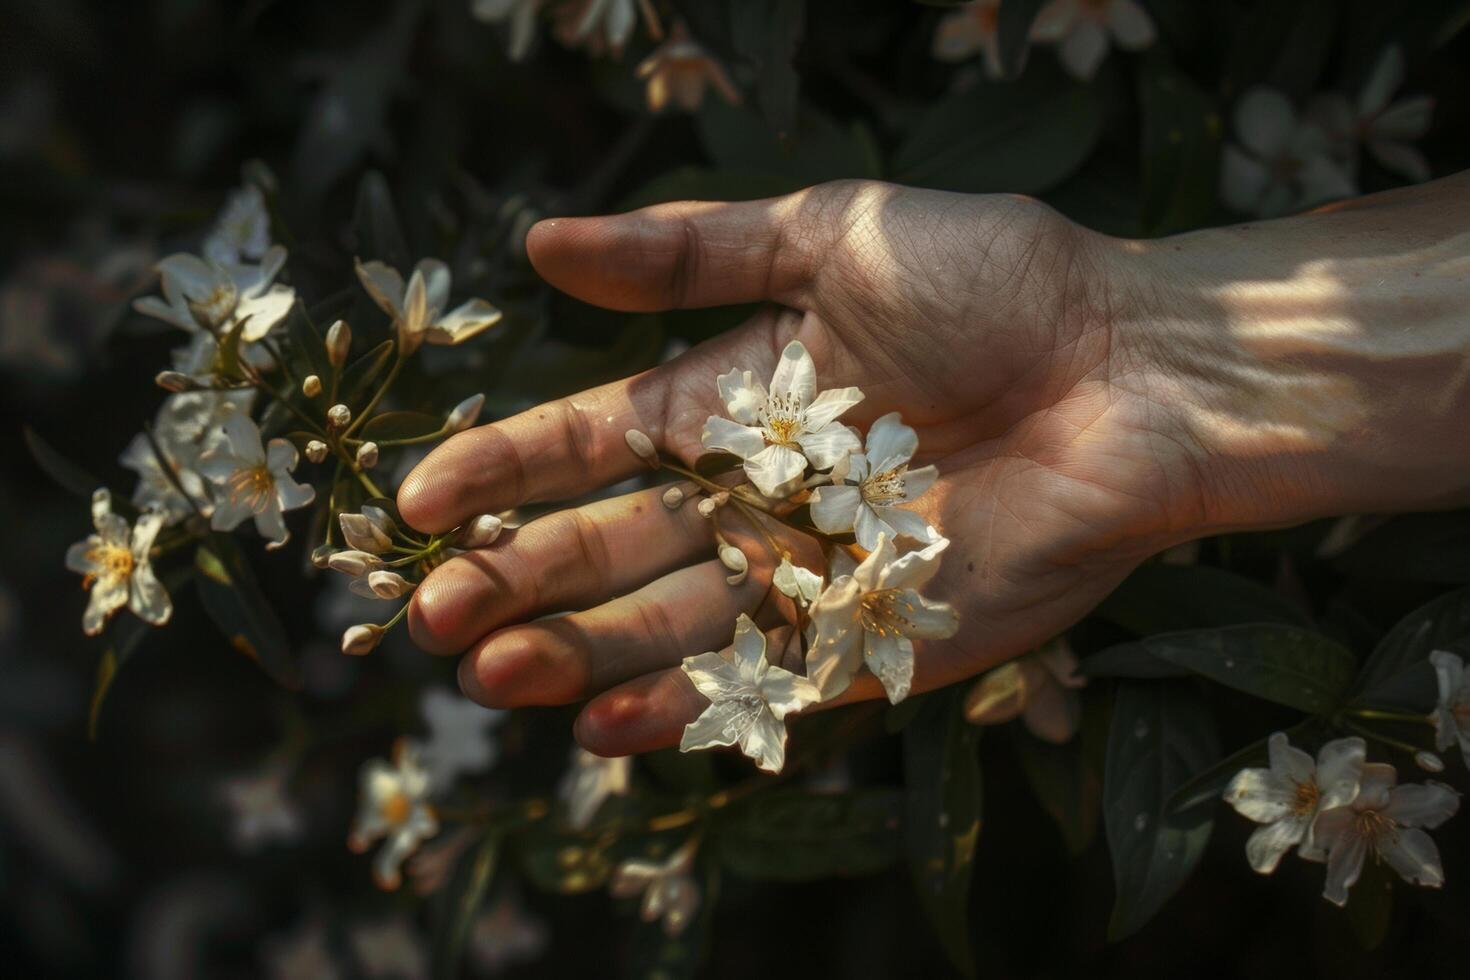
1088,402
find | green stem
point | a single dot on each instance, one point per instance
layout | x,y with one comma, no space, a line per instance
372,404
1378,714
1369,733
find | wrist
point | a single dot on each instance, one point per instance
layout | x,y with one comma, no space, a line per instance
1313,366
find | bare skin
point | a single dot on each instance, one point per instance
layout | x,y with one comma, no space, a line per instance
1088,401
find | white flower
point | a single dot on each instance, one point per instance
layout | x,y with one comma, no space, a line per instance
115,566
522,17
369,531
260,808
179,429
1451,715
221,296
392,806
199,361
1388,131
970,30
362,639
459,736
1387,820
1287,797
589,782
802,585
479,532
668,889
242,230
777,433
418,309
749,697
504,936
252,480
1040,688
873,616
613,20
679,69
883,479
1083,29
1283,163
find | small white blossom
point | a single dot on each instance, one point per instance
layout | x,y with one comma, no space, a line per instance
1085,29
242,232
1283,163
1451,715
668,888
464,415
220,297
1287,797
311,385
802,585
777,433
522,16
589,782
260,808
179,429
1040,688
393,806
367,455
882,480
970,30
1387,130
749,698
601,22
253,480
338,343
679,69
480,532
459,738
381,583
872,617
734,559
339,416
1389,821
362,639
115,565
418,308
316,451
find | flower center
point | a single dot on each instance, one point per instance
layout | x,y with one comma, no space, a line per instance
1373,826
110,563
1305,802
211,309
251,487
780,417
885,612
886,487
395,809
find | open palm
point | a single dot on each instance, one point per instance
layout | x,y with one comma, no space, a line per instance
991,323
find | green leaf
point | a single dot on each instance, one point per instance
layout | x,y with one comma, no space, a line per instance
106,671
1398,672
375,223
1299,668
388,426
68,475
232,597
1161,736
738,139
1207,785
458,903
1130,660
359,376
1160,598
1181,150
1013,30
1020,137
1413,548
1067,779
793,835
943,800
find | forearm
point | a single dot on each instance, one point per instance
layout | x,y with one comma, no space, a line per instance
1318,364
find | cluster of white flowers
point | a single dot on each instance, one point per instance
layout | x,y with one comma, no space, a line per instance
1082,30
1285,160
1340,809
866,611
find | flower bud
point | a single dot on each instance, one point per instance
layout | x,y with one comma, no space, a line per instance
311,386
734,559
673,497
389,585
706,507
465,414
322,554
480,532
1429,762
362,639
316,451
367,455
354,562
339,343
339,416
381,519
639,442
363,535
175,381
256,171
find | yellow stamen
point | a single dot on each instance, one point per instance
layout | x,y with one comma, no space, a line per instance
396,808
252,487
110,563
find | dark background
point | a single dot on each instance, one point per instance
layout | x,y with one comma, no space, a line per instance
122,126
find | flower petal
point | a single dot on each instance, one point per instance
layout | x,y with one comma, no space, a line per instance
732,437
469,319
891,659
925,619
1243,180
742,394
384,285
890,442
1388,75
291,495
1265,121
436,283
714,677
775,470
828,406
1344,864
1267,844
280,457
1131,25
795,375
913,570
144,532
1401,158
1290,761
1261,795
1339,767
834,509
720,724
750,648
1084,49
260,315
826,447
109,594
764,740
907,524
786,693
1404,121
1054,714
271,525
1411,852
147,598
1421,804
870,526
244,438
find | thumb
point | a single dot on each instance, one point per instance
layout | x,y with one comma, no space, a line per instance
685,254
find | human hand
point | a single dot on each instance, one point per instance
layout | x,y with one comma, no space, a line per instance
1012,340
